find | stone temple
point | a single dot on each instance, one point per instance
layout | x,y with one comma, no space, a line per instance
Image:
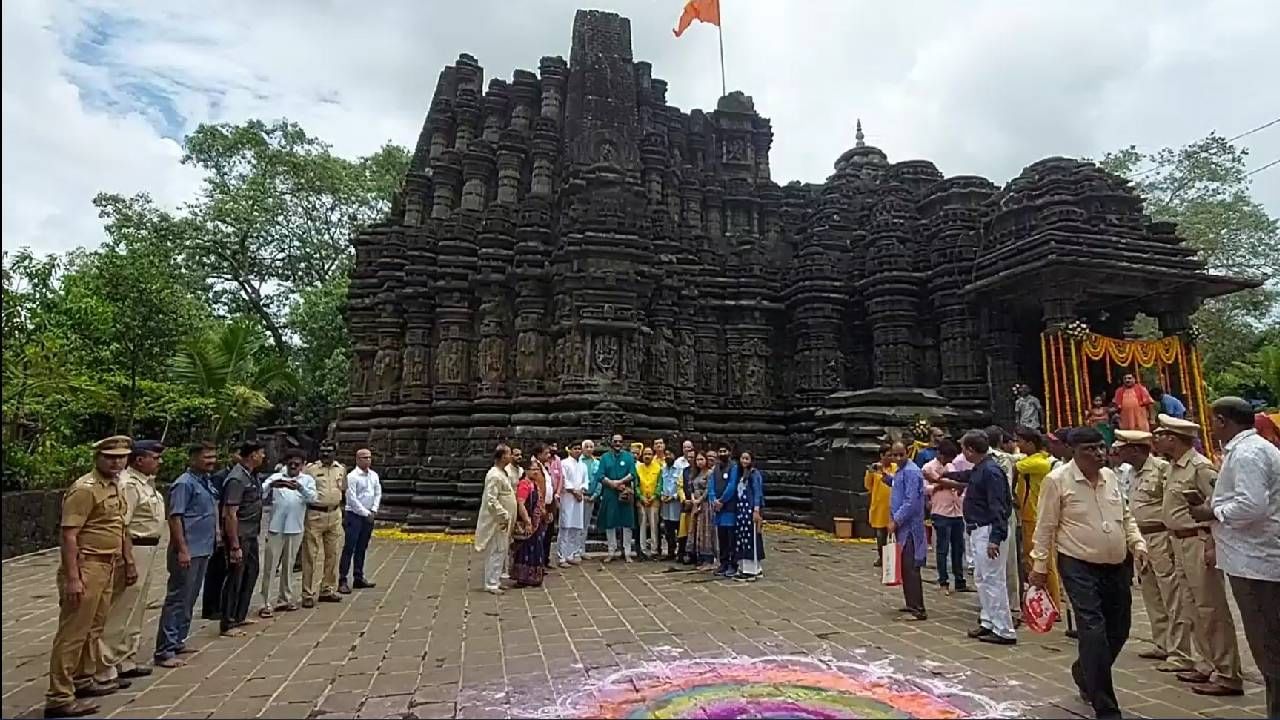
570,255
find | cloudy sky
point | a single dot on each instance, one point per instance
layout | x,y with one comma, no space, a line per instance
98,93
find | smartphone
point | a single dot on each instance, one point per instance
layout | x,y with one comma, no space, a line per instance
1193,497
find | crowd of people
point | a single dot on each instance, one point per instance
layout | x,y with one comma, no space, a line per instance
113,523
702,508
1068,512
1075,515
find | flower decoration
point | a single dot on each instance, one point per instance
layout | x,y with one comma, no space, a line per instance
920,428
1077,329
1193,334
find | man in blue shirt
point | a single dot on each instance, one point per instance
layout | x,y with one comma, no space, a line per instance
987,504
1169,405
193,511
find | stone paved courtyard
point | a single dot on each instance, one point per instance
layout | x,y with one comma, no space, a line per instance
425,643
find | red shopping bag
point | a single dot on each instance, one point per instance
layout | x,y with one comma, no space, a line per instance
891,563
1038,611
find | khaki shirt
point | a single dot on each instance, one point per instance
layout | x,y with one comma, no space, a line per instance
1192,470
331,483
143,505
94,505
1087,522
1147,499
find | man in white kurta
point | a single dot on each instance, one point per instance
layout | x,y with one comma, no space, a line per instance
573,516
496,519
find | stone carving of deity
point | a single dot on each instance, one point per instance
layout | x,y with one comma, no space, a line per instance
449,363
528,356
386,367
606,152
415,365
575,358
685,363
735,151
492,365
605,353
361,370
662,350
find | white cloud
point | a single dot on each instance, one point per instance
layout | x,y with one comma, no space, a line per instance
96,90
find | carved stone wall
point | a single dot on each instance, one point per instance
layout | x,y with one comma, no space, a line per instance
571,255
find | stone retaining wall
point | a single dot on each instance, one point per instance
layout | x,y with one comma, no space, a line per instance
30,521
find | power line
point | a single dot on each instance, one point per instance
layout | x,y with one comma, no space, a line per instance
1246,133
1257,170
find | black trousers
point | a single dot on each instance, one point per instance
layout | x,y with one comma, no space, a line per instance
882,539
1258,600
237,591
1102,598
214,576
356,531
724,535
912,583
669,530
553,525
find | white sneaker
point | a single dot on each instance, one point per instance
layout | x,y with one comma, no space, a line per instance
494,590
564,563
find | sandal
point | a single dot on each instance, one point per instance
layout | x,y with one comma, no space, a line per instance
265,613
173,662
291,607
234,632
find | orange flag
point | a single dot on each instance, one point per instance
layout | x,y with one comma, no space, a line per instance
707,11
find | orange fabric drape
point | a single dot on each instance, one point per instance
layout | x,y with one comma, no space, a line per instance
1048,386
707,11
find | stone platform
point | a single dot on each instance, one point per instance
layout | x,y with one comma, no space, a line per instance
600,639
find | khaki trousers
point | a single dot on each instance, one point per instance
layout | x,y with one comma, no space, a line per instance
123,631
75,651
277,557
1170,628
322,536
1205,607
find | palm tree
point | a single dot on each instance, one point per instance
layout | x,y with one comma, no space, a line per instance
236,371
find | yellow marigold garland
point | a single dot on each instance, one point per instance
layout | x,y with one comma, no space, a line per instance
1044,369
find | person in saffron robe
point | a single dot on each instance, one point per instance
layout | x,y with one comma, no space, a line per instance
906,522
1134,403
1268,426
875,481
527,566
748,522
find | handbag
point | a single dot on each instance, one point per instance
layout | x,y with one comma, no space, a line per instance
523,531
1038,611
891,563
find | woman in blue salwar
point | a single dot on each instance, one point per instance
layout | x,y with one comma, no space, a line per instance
748,540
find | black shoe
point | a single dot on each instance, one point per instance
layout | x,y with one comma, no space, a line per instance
994,639
362,584
343,588
137,672
979,632
308,603
329,598
966,589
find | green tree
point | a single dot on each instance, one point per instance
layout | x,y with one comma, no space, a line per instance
234,370
1205,188
276,212
323,360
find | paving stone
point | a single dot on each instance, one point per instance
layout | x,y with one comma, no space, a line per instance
426,643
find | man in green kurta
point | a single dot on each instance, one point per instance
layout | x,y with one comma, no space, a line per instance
616,475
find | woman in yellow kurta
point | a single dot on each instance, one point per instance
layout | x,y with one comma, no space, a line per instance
648,475
1029,475
878,492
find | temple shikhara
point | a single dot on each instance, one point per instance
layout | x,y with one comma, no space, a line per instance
570,255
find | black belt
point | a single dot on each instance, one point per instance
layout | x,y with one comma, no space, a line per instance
1151,528
144,542
321,508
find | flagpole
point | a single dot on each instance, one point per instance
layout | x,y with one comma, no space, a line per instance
720,28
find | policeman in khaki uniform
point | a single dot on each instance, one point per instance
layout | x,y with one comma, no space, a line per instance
322,533
1204,594
144,520
94,542
1170,629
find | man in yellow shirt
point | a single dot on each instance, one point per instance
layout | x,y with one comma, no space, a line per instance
1029,474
